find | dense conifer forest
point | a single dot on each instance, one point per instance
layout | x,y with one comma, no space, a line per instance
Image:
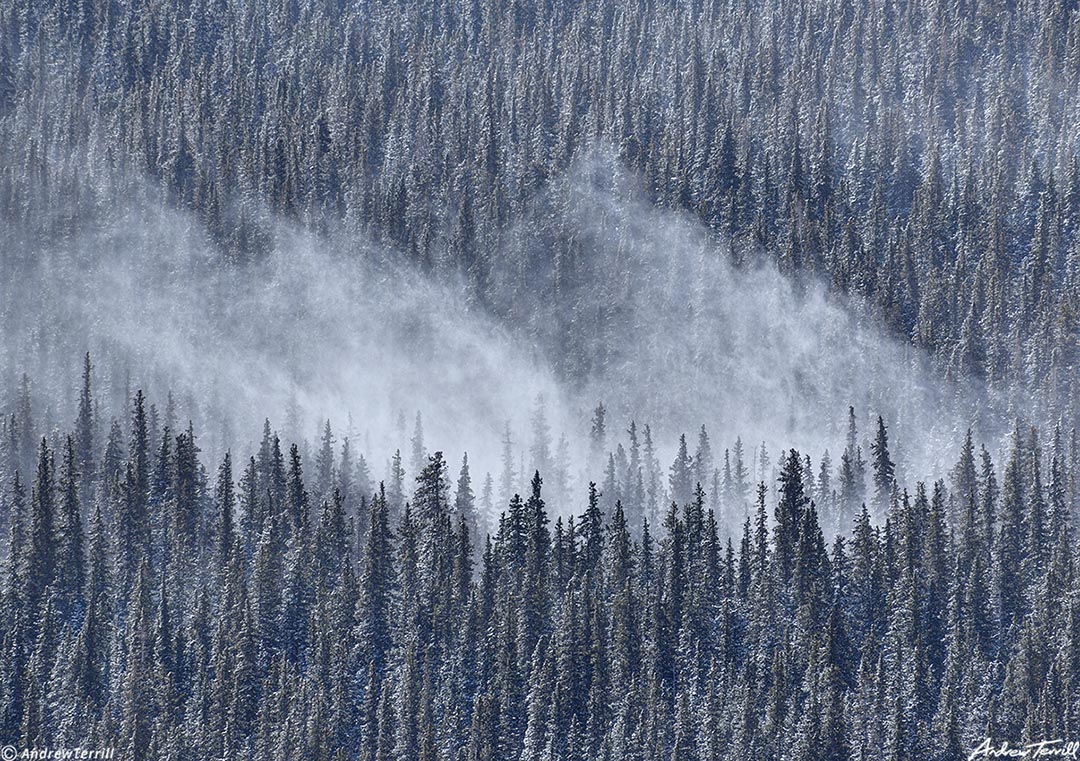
271,606
759,323
919,156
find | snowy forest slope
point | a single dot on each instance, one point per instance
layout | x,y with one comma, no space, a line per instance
225,219
921,158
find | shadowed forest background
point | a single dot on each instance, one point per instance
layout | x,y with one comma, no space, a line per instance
558,380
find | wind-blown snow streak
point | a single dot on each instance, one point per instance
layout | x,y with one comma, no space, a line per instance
612,299
689,338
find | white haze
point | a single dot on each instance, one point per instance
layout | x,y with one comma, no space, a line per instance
331,327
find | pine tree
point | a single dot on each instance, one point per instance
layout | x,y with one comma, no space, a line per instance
324,464
1009,547
592,530
137,528
598,431
38,566
296,504
988,494
17,546
70,542
465,503
24,427
137,698
188,493
376,585
1060,521
739,473
789,515
703,459
811,572
540,451
611,492
251,518
825,475
396,490
225,502
508,479
681,478
884,469
852,470
867,584
419,453
435,551
1035,514
764,464
964,478
84,428
536,593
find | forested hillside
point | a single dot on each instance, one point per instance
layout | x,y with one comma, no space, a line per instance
566,380
271,606
919,156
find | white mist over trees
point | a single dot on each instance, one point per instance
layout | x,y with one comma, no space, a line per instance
921,159
651,317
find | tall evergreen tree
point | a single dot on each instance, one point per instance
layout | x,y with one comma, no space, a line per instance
324,464
681,478
84,427
789,511
882,464
70,541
